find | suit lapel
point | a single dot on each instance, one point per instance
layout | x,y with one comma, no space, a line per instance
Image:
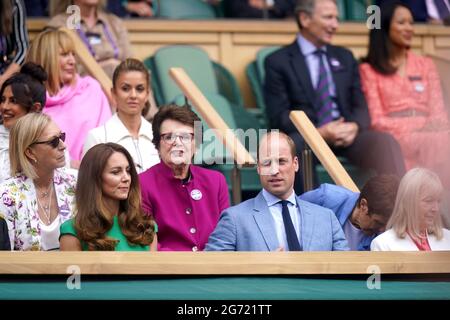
265,222
301,70
307,222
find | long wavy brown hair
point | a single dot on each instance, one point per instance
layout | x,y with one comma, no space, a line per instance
92,220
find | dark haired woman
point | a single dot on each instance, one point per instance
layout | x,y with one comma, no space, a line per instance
108,216
20,94
404,94
127,127
185,200
13,37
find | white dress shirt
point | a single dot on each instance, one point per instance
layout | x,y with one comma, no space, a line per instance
141,149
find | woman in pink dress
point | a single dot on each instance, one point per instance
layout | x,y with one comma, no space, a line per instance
404,95
77,104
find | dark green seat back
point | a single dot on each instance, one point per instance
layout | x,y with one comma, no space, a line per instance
185,9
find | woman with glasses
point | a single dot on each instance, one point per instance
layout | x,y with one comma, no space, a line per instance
109,215
77,104
127,127
40,195
185,200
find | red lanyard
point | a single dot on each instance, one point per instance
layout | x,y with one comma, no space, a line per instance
423,244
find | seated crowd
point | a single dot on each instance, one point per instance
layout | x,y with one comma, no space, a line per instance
79,175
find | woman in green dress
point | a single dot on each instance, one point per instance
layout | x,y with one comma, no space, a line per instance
109,215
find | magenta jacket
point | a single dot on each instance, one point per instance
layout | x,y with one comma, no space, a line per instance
186,214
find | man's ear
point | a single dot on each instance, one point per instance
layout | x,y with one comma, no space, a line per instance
296,164
304,19
364,206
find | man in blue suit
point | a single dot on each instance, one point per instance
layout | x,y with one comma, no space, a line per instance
362,215
277,219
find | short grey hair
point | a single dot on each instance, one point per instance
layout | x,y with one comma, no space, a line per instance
306,6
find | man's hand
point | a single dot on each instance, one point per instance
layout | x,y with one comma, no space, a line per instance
339,133
347,134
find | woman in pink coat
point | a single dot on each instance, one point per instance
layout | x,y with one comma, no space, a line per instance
77,104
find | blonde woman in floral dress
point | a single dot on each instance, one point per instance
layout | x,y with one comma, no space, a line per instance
40,195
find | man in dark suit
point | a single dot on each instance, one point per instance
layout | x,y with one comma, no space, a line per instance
323,80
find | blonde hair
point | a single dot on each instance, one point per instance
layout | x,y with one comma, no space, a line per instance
405,217
23,134
44,50
60,6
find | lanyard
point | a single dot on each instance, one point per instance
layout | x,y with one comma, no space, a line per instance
3,45
108,37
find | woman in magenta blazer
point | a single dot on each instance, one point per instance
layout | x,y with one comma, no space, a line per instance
185,200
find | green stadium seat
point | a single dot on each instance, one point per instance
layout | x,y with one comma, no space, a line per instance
185,9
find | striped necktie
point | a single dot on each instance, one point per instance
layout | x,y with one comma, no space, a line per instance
324,99
442,9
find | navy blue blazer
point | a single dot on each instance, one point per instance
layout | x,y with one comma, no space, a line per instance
288,87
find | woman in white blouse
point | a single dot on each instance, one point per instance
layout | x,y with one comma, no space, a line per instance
416,223
131,89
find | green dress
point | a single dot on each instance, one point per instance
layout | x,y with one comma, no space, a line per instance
115,233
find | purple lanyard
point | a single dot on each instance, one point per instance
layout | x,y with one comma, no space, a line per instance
3,50
108,36
3,45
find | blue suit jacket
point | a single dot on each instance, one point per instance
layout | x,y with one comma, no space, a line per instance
341,201
249,226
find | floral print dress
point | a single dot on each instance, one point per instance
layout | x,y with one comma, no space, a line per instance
18,206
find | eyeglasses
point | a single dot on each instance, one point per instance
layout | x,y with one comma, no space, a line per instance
170,138
54,143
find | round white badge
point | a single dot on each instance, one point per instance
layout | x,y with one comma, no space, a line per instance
196,194
419,87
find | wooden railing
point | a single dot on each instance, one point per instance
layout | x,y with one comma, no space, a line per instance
225,263
322,150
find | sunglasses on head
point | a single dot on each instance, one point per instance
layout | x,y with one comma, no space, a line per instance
54,142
